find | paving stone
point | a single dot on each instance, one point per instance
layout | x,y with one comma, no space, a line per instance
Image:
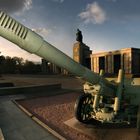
30,133
2,110
50,137
23,122
7,126
41,131
18,126
14,135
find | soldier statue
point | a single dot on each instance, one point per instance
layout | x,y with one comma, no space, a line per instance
79,36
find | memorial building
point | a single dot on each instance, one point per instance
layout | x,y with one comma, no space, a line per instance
111,61
127,59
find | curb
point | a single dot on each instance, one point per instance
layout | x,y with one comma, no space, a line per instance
28,89
56,134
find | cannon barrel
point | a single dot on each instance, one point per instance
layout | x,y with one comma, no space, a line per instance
30,41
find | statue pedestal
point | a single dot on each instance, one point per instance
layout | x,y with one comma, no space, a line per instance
81,54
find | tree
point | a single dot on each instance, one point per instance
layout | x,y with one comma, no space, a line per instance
2,61
9,65
17,65
30,68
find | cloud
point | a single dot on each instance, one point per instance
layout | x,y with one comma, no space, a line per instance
13,6
112,0
93,14
42,31
60,1
28,4
7,48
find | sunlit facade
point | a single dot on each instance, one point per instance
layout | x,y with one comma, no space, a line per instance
127,59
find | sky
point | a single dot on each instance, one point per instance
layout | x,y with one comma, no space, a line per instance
105,24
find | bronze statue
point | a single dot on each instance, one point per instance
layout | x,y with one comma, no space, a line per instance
79,36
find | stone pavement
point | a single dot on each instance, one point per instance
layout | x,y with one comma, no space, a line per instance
16,125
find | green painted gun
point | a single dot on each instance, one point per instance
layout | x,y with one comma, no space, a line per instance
104,101
34,43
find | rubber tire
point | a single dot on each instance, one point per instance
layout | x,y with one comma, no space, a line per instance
138,120
77,108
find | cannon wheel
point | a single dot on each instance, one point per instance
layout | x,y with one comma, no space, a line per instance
84,108
138,120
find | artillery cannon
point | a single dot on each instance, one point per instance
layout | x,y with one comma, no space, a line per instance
104,101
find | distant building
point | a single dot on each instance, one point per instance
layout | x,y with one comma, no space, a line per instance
112,61
50,68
